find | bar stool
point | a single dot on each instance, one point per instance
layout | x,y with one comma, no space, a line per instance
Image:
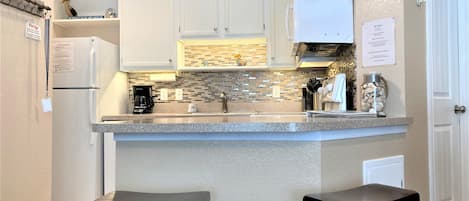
370,192
136,196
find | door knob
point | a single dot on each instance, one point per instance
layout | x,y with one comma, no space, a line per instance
459,109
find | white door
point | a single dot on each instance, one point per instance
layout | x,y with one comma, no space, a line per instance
463,21
443,75
147,35
198,17
244,17
76,150
281,50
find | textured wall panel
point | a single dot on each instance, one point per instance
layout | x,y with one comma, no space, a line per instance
231,171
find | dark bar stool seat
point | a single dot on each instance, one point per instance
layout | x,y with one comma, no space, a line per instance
136,196
370,192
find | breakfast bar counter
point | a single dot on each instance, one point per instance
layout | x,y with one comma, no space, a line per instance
239,126
180,151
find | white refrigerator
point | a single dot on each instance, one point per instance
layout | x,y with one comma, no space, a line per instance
86,84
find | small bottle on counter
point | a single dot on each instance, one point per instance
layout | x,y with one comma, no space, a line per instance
374,93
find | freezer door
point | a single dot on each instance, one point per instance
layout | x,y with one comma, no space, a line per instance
74,62
77,151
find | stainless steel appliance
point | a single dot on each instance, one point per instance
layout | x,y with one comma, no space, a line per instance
143,100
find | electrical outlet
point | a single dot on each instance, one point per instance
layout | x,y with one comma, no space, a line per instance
179,94
164,94
276,91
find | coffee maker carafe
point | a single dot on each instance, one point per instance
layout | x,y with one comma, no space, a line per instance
143,100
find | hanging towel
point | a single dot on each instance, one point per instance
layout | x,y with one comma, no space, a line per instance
339,91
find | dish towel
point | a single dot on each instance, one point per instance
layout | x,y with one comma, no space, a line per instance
339,91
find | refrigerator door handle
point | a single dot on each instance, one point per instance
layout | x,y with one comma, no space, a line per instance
92,113
92,67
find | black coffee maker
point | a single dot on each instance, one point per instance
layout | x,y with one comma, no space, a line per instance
143,100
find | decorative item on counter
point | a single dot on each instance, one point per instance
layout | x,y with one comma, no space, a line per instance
239,61
69,10
110,13
374,92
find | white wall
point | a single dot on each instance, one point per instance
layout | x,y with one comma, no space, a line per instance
367,10
25,132
416,147
407,97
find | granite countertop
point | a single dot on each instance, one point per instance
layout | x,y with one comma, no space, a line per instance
238,123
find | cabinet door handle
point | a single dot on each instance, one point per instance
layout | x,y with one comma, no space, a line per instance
170,60
287,20
215,29
227,29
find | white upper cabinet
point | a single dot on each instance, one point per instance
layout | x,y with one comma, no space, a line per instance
244,17
220,18
280,41
198,17
147,41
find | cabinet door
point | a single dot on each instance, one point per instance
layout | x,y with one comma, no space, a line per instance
244,17
281,52
147,35
198,17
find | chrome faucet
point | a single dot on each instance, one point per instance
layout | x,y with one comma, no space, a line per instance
224,100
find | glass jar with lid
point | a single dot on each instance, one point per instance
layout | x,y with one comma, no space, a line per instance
373,94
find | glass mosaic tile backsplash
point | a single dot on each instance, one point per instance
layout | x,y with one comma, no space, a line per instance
224,54
240,86
255,86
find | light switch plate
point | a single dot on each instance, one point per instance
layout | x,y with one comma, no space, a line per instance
179,94
276,91
164,94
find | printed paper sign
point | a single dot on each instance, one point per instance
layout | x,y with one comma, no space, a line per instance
32,31
63,57
46,104
378,41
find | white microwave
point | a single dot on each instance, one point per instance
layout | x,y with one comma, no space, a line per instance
320,21
317,29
